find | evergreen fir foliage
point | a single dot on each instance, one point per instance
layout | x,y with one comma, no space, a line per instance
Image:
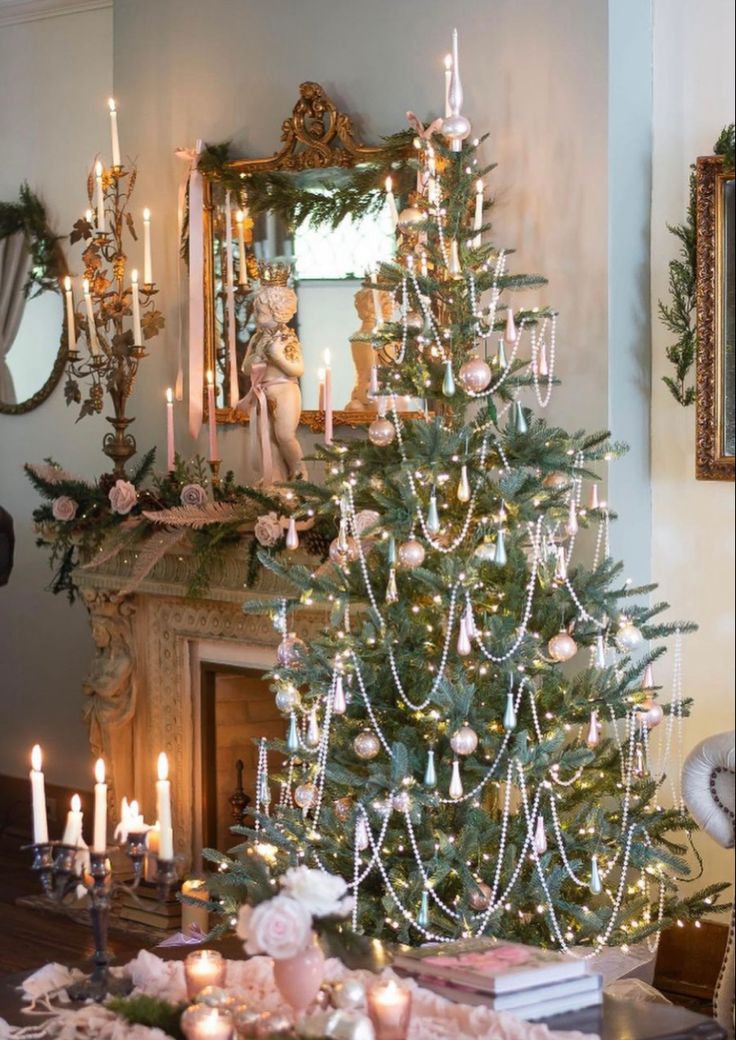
522,480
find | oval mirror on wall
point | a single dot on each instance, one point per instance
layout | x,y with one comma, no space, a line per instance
32,351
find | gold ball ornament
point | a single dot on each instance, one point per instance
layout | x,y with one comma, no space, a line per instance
366,745
342,808
411,554
562,647
475,375
556,480
305,795
381,432
480,897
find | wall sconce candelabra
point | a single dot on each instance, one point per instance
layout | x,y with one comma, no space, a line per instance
116,318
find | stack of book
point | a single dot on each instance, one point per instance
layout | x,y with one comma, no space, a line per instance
524,980
144,907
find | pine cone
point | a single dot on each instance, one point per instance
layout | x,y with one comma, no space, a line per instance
316,542
147,500
106,482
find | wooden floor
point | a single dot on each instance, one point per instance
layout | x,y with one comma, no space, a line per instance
30,938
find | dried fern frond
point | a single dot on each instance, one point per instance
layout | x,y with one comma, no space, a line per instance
52,474
195,517
150,553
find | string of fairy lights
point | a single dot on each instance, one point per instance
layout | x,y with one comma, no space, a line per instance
549,547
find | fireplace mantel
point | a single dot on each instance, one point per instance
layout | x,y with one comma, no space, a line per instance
142,693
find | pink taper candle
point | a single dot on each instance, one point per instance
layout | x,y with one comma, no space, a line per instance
328,399
170,450
212,418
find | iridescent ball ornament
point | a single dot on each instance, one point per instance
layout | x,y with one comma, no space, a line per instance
341,556
366,745
305,795
464,741
381,432
411,554
290,651
287,699
475,375
562,647
628,637
480,897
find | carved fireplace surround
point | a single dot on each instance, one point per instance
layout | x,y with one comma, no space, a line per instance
142,695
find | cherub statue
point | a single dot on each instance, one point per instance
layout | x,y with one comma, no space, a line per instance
274,363
364,356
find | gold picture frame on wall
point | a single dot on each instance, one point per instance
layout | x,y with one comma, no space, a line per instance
715,455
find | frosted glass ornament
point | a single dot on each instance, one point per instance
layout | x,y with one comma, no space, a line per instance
520,423
596,886
501,355
499,553
411,554
572,518
265,792
401,801
600,652
448,380
287,699
593,737
342,537
292,736
423,915
562,647
361,834
290,650
653,716
540,836
640,765
509,715
430,771
313,735
456,784
433,517
463,487
464,741
392,591
469,622
292,536
366,745
339,704
628,637
510,334
305,795
463,639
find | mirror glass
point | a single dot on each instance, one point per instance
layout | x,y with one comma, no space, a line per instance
327,267
32,355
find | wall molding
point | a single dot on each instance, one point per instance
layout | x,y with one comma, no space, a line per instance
15,12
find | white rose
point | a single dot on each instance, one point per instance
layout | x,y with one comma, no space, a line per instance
364,519
268,530
281,927
64,508
323,894
123,496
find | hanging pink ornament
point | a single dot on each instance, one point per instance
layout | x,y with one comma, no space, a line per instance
652,716
469,622
540,836
475,375
411,554
511,333
381,432
366,745
593,501
463,639
464,741
593,736
562,647
647,682
290,651
339,704
542,365
292,537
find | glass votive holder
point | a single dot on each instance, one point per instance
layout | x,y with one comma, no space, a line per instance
202,1022
389,1009
204,968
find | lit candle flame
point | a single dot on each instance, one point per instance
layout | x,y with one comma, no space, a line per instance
99,771
210,378
389,185
146,213
98,168
111,104
240,216
448,62
67,283
326,357
163,766
88,215
76,803
169,395
479,186
134,276
321,375
85,286
36,758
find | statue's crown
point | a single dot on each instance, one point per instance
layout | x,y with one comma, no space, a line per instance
274,274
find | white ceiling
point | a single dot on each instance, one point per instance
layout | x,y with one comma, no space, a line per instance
13,12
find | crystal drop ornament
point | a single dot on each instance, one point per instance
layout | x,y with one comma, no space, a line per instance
540,836
509,715
501,355
391,554
448,380
561,566
520,423
430,771
510,334
361,834
499,554
292,736
392,591
423,915
456,785
596,886
463,487
339,704
342,537
313,735
292,536
593,736
572,518
433,518
463,639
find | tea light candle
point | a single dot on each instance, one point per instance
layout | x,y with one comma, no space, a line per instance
114,132
212,418
391,201
38,796
202,1022
136,305
99,833
71,327
389,1009
204,968
147,267
328,398
73,828
170,448
100,197
163,808
195,888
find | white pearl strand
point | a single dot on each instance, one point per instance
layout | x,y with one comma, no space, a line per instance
575,495
324,745
261,779
507,370
544,400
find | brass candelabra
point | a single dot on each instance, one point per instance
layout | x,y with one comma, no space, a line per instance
116,318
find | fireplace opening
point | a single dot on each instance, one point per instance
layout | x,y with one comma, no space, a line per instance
237,709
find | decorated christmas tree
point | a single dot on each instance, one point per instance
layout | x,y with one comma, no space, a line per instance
470,742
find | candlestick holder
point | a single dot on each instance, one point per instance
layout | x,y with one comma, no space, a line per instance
114,355
56,865
214,465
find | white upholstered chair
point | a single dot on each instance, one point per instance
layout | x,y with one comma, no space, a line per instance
708,790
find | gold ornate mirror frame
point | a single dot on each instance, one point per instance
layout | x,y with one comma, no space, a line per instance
317,136
711,304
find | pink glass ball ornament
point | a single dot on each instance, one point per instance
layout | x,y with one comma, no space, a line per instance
562,647
555,481
401,801
464,741
381,432
411,554
475,375
342,556
366,745
652,714
290,650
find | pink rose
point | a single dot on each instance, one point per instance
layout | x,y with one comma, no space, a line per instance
281,928
193,495
64,508
123,496
268,530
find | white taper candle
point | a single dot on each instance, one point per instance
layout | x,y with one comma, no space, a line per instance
163,806
38,798
114,132
99,832
147,266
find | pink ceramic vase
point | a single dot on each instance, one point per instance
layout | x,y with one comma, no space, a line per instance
299,978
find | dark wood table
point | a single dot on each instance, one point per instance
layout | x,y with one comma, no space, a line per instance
616,1020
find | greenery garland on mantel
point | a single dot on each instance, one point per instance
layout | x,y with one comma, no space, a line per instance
28,215
678,316
87,523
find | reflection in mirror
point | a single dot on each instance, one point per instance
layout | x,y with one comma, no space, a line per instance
34,350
